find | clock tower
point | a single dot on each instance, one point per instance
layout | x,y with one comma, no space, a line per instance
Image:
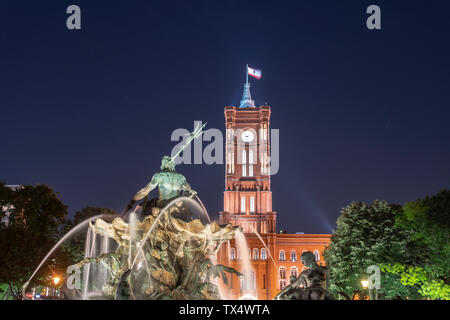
274,257
247,196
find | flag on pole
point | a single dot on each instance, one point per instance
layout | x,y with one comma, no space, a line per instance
255,73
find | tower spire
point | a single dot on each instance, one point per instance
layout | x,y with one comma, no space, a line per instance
246,96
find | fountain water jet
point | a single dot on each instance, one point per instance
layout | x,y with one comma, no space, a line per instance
246,267
67,236
264,244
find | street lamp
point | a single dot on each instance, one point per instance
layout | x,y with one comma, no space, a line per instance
56,281
365,285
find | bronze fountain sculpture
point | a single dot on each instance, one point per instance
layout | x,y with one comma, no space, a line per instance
311,284
169,253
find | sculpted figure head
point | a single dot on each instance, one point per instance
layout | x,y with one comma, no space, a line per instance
167,164
314,278
308,259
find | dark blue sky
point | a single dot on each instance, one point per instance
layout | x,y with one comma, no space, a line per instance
363,115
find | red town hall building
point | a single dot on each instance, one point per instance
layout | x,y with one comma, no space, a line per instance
274,257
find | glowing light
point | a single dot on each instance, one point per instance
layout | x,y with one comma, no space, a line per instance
56,280
365,283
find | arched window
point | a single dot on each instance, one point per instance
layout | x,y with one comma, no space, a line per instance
282,273
263,254
255,254
243,204
232,253
282,255
293,255
294,272
317,254
282,284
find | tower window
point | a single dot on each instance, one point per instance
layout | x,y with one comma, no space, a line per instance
250,161
243,204
264,227
233,254
244,163
252,204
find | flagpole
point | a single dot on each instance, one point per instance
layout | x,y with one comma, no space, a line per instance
246,72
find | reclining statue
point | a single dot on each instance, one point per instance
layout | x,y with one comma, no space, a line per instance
311,284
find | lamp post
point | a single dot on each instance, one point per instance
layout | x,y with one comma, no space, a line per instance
56,281
365,285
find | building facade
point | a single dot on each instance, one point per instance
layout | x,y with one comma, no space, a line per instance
274,257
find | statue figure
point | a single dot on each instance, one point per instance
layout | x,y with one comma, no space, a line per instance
169,182
311,284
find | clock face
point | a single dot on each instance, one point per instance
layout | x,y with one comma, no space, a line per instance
247,136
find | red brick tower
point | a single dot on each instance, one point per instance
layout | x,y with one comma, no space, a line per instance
247,196
248,203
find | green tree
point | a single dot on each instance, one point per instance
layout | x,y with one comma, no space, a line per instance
427,261
31,217
366,235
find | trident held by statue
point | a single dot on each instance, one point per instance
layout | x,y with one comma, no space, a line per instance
193,135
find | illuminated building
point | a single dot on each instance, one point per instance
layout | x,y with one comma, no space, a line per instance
248,203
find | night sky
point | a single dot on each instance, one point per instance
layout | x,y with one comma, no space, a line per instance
363,114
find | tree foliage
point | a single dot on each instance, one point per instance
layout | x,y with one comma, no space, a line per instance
427,262
366,235
429,286
31,217
411,244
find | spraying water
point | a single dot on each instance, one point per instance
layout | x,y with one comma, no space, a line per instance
69,234
264,244
246,267
132,223
90,250
102,273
